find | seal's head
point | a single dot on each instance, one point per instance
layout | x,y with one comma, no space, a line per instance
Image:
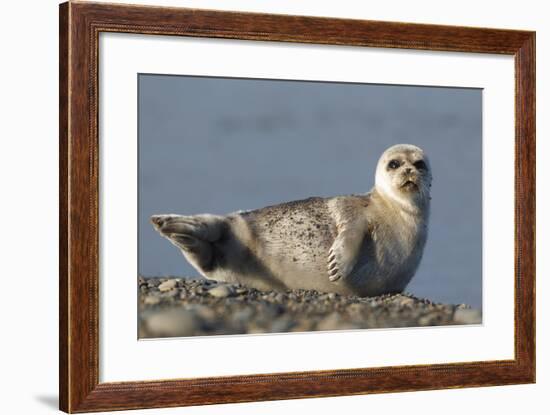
403,174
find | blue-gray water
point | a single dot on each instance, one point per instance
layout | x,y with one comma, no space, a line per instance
218,145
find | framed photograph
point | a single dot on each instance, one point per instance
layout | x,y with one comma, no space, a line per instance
279,207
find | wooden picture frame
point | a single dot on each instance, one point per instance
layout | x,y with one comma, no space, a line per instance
80,26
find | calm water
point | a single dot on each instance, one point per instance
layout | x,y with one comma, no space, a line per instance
218,145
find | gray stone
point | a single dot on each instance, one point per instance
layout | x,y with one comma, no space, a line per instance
355,308
153,282
467,316
331,322
221,291
429,319
405,302
151,300
243,316
204,312
167,285
171,293
170,323
279,298
281,325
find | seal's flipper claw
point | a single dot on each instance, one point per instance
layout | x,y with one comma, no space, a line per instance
343,254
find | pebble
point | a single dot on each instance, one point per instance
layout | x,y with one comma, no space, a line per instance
331,322
171,293
355,308
279,298
282,325
221,291
153,282
167,285
429,319
406,302
242,316
467,316
151,300
171,323
204,312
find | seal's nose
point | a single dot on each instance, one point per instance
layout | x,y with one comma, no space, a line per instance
408,170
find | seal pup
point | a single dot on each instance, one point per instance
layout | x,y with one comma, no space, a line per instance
366,244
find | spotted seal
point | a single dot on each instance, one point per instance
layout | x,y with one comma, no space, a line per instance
365,244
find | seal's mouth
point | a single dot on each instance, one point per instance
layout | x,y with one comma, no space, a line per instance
409,185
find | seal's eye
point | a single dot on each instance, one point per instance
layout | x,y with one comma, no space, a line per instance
393,164
420,165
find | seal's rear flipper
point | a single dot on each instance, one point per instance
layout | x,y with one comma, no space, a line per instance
194,235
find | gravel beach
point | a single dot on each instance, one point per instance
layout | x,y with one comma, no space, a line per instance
178,307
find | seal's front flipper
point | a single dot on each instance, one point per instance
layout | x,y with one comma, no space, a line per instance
344,253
